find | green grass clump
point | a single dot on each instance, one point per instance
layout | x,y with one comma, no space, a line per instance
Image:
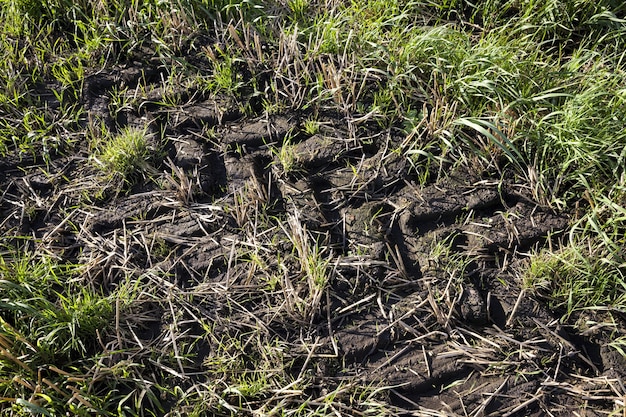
589,272
126,153
61,324
578,278
62,349
49,328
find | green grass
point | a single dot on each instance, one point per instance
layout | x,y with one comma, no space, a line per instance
49,323
588,273
59,326
126,153
537,88
61,347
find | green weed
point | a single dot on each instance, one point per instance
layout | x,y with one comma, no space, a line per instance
287,157
311,127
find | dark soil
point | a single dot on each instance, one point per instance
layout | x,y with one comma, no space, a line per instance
424,293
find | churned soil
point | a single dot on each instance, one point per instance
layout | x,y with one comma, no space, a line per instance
422,291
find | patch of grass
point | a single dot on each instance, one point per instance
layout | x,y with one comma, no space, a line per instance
245,369
62,325
314,265
590,271
578,277
311,127
49,324
126,153
225,78
287,157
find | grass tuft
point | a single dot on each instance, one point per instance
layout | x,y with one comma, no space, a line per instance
126,153
49,323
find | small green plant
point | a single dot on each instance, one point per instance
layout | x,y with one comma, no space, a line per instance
311,127
225,78
126,153
271,107
314,265
286,156
298,8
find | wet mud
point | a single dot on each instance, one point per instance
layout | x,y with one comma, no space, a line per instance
423,292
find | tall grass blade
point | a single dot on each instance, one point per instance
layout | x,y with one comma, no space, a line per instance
497,138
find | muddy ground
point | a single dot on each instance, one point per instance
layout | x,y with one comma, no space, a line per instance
422,289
